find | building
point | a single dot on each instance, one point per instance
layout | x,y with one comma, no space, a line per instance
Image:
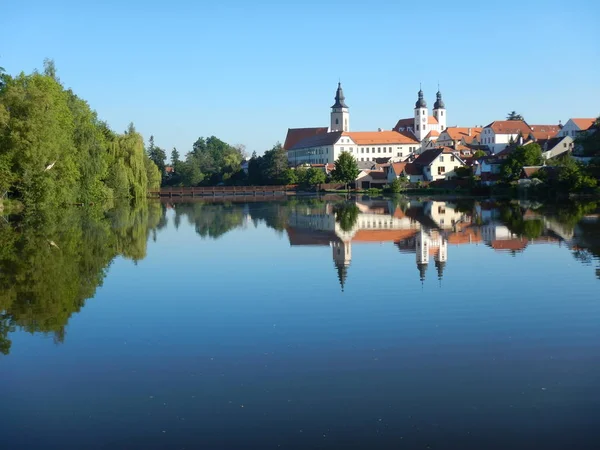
437,165
499,134
454,136
421,124
574,126
314,146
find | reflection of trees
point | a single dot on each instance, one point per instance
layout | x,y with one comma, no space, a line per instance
512,216
346,214
210,220
51,263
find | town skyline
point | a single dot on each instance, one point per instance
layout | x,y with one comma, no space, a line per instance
184,83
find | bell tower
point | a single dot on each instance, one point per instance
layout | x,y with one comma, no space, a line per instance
420,129
340,116
439,111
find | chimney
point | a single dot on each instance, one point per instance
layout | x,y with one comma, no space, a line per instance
379,129
469,132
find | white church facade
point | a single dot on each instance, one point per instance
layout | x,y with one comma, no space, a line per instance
323,146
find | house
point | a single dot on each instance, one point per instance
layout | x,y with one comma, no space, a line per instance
499,134
574,126
453,136
371,179
543,131
395,170
488,169
555,146
437,165
414,173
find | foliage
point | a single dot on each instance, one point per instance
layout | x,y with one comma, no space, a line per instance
525,155
346,214
346,169
398,185
310,177
572,175
514,116
271,168
479,154
463,172
589,141
52,261
211,162
157,155
290,176
54,150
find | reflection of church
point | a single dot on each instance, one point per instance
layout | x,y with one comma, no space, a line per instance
423,228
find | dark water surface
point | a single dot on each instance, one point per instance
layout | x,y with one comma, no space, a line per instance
328,324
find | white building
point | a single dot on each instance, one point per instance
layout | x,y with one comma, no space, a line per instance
312,146
438,165
421,124
497,135
575,126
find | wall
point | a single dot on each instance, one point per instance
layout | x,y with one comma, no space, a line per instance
446,160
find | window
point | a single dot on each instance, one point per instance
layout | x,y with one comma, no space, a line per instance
452,158
417,127
350,149
378,149
337,121
367,149
423,112
564,144
362,159
399,154
442,113
342,148
441,170
362,150
441,159
424,127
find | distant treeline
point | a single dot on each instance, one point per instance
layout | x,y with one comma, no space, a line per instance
55,150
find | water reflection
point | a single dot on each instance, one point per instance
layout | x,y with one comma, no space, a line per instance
426,228
51,263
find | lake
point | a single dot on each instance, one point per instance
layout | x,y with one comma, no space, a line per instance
324,323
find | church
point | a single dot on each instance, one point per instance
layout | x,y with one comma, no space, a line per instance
323,145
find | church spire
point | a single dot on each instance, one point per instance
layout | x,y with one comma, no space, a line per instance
439,103
421,103
342,271
340,100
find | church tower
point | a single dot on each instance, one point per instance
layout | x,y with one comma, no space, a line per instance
421,127
439,111
422,251
340,117
342,255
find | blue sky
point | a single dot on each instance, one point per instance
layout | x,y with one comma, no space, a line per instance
247,71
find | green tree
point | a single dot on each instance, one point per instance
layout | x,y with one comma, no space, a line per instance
174,157
525,155
346,214
274,164
397,185
514,116
290,176
315,176
346,169
479,154
157,155
588,142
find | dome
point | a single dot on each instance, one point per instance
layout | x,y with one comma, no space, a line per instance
439,103
421,101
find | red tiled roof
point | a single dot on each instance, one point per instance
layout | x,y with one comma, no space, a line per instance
432,120
544,131
510,244
528,171
432,134
510,127
295,135
380,137
583,124
398,167
457,133
383,235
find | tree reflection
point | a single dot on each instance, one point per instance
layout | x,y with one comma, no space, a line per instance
51,263
346,214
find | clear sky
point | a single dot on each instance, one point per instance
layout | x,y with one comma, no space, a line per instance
247,71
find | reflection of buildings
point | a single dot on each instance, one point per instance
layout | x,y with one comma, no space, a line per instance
423,228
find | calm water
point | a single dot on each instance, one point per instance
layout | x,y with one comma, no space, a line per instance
321,324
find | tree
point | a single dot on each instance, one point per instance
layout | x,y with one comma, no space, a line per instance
346,214
398,185
275,162
479,154
315,176
50,69
572,175
174,157
290,176
589,141
514,116
346,169
524,155
157,155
